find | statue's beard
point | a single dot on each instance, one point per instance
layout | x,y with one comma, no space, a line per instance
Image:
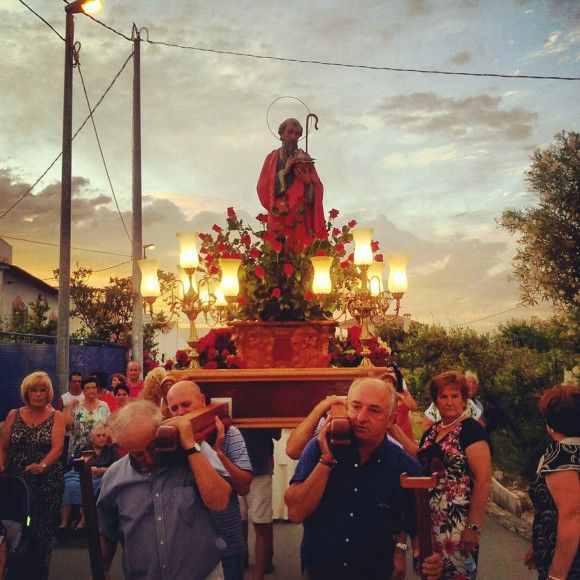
289,148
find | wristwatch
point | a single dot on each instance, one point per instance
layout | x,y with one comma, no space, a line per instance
474,528
402,547
195,449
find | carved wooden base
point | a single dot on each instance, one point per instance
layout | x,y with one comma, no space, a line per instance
262,345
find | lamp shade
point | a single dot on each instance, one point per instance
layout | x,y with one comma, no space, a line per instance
230,285
186,281
188,257
397,273
321,283
91,6
149,282
363,253
375,278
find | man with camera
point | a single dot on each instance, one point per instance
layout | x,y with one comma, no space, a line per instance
356,516
161,502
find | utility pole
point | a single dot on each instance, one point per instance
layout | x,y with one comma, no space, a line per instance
137,322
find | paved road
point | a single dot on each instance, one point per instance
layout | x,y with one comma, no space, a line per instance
501,558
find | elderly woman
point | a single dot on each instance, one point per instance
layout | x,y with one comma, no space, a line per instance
30,446
555,491
105,456
121,392
82,416
456,449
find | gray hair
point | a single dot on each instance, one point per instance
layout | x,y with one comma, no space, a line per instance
133,416
472,375
376,382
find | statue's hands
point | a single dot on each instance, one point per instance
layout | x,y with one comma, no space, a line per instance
323,438
220,436
289,164
302,173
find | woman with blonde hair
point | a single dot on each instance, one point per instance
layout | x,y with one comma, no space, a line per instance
31,444
152,385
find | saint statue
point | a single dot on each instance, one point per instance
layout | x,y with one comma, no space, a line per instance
289,187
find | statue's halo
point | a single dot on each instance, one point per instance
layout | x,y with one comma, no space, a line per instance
275,133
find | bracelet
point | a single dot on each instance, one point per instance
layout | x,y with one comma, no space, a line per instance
326,460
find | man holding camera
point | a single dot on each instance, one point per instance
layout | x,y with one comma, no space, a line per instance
356,516
161,502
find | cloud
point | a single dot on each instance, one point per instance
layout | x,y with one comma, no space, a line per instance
462,58
558,42
461,117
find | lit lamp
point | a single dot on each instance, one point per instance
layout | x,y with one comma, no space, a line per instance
375,278
150,288
227,290
363,253
188,256
397,283
321,282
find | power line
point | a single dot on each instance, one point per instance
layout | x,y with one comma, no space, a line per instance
95,271
361,66
54,244
45,21
516,307
21,198
101,152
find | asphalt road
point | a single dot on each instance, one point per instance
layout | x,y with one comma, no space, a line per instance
501,556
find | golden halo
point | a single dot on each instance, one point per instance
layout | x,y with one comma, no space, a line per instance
268,114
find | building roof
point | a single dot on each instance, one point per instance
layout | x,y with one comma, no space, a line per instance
29,278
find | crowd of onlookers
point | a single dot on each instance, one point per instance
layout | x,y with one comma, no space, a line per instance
184,514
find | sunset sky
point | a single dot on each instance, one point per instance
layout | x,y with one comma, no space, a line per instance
429,161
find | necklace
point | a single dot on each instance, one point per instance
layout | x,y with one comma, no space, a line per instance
446,425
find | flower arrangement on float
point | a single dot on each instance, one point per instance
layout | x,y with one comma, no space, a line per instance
347,352
276,272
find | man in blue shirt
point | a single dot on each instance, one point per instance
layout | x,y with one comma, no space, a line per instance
161,503
356,516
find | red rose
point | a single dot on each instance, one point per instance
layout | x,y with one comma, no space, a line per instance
322,235
225,352
352,223
168,364
210,364
277,246
309,296
259,271
242,300
262,218
335,232
276,293
216,228
379,258
333,213
254,253
221,247
320,253
375,246
339,248
246,239
214,270
211,353
231,214
288,269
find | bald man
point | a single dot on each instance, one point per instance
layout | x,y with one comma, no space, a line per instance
184,397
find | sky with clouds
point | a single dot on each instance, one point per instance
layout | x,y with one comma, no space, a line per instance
429,161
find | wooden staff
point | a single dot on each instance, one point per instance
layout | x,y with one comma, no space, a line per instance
421,487
82,466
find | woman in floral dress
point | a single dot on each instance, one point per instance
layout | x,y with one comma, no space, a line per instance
82,416
457,451
30,447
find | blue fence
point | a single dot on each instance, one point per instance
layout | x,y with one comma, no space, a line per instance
17,359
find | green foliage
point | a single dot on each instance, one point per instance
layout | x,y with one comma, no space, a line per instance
106,313
515,365
547,262
33,318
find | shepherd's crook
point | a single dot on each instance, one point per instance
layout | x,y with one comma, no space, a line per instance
307,125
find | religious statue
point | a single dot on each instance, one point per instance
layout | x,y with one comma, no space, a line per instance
289,188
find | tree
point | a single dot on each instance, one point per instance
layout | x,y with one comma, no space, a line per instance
547,261
106,313
33,318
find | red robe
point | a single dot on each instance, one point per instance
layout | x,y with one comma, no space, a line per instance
313,219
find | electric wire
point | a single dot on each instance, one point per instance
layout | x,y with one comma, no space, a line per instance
21,198
102,153
95,271
44,20
361,66
516,307
102,23
77,248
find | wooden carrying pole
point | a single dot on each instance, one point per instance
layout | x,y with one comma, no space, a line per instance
421,487
82,466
